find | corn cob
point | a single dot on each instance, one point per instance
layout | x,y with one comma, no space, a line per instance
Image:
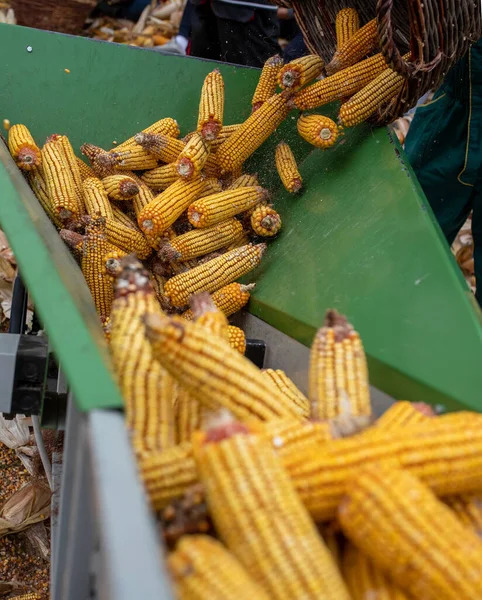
23,148
287,168
211,186
165,208
420,544
343,84
187,410
149,391
73,164
268,81
160,146
60,182
121,217
403,413
74,241
211,106
215,274
468,509
284,384
32,596
135,158
219,207
300,71
357,47
161,177
253,132
373,96
38,183
84,169
334,542
96,200
229,299
202,569
223,135
193,157
261,519
289,436
127,239
365,580
95,247
244,181
347,24
212,168
165,126
103,163
143,197
242,240
237,339
265,221
113,263
218,376
120,187
207,314
318,130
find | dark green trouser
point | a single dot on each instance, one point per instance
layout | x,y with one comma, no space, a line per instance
444,145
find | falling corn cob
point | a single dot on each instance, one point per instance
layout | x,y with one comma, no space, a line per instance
165,208
84,169
420,544
60,182
403,413
95,198
38,183
94,249
161,177
318,130
370,98
364,579
124,219
207,314
127,239
468,509
260,518
160,146
343,84
287,168
216,208
268,81
253,132
284,384
223,135
347,24
265,221
219,376
193,157
300,71
165,126
187,415
211,106
23,148
237,339
215,274
120,187
244,181
148,389
360,44
229,299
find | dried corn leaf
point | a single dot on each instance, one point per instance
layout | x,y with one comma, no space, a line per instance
31,504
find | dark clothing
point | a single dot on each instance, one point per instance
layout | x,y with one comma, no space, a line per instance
295,49
123,9
186,19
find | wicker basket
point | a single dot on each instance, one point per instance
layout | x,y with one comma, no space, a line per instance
437,32
66,16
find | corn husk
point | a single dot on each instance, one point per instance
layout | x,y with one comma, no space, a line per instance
31,504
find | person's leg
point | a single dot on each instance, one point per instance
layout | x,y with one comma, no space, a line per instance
477,236
204,33
295,49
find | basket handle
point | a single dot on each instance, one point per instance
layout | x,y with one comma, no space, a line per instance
385,37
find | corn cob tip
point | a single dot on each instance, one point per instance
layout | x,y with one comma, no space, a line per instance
71,238
274,61
247,287
210,130
128,188
132,277
222,426
167,253
202,303
53,137
28,157
424,408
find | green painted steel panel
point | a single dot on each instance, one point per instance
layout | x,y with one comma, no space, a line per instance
360,237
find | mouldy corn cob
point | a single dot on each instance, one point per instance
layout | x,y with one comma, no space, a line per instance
237,339
113,263
300,71
244,181
215,274
23,148
211,106
403,413
165,126
217,376
84,169
192,158
120,187
260,518
468,509
318,130
216,208
74,240
187,415
357,47
160,146
284,384
268,81
347,24
207,314
287,168
161,177
148,389
60,183
96,200
127,239
398,522
103,163
38,183
253,132
265,221
343,84
229,299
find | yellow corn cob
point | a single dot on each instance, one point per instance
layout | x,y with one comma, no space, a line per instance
265,221
38,183
212,168
300,71
120,187
219,207
95,247
399,523
23,148
211,186
403,413
207,314
284,384
259,516
347,24
287,168
202,569
187,415
127,239
60,183
253,132
215,274
96,200
26,596
192,158
135,158
161,177
211,106
218,376
165,126
268,81
121,217
343,84
72,164
242,240
289,436
103,163
143,197
361,43
244,181
468,509
149,391
318,130
223,135
84,169
333,543
229,299
113,263
373,96
160,146
365,580
237,339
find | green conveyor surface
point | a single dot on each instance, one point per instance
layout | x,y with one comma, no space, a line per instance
360,237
